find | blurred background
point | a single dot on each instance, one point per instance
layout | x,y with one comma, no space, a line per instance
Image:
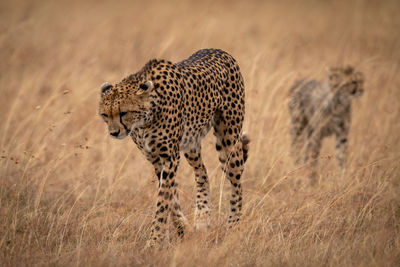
71,195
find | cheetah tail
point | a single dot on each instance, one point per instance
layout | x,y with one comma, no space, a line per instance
245,146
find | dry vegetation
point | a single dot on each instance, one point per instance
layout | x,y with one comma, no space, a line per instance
70,195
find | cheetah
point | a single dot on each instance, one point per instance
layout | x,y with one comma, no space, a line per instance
318,110
167,108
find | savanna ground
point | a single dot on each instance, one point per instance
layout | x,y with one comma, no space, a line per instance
71,195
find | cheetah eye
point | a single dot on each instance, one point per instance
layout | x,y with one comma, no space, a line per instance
122,114
104,115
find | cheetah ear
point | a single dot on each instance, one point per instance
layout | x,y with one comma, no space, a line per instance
329,71
348,70
333,77
105,87
145,87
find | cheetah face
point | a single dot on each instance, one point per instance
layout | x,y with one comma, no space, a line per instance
346,81
357,89
124,107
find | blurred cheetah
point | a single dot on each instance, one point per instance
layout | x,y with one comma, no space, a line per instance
169,107
320,110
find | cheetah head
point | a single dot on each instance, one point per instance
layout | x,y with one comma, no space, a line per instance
125,106
346,80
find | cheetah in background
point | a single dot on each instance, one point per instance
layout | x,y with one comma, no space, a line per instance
320,110
169,107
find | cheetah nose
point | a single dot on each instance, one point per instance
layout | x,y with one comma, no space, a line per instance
115,134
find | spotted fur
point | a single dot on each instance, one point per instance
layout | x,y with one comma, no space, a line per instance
320,110
169,107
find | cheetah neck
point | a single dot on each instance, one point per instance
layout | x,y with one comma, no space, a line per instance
335,102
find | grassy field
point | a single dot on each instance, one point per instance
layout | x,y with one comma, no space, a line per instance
71,195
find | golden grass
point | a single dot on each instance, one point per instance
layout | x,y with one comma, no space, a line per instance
70,195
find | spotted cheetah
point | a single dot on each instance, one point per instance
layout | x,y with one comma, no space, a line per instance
169,107
320,110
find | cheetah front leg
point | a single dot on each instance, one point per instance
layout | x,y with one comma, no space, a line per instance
179,220
165,196
176,214
202,211
341,149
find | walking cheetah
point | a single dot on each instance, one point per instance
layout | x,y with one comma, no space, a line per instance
320,110
169,107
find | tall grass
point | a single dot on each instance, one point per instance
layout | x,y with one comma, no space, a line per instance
70,195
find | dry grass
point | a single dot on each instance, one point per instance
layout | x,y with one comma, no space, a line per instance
70,195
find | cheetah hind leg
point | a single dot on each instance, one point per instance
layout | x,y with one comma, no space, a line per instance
232,147
298,142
